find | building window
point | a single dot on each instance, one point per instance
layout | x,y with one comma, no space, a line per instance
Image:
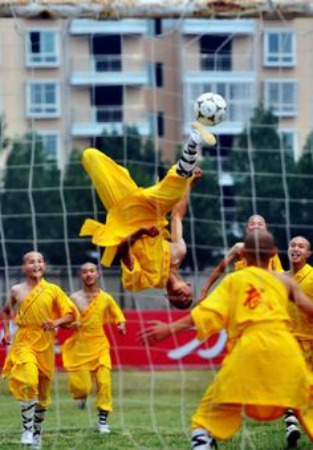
216,52
157,26
42,48
155,71
240,98
42,99
159,74
51,144
279,48
160,124
280,96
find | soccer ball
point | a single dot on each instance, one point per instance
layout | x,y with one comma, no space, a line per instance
210,109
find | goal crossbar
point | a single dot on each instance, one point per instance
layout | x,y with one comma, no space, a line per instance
119,9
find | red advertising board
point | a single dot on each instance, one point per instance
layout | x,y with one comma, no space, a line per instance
183,349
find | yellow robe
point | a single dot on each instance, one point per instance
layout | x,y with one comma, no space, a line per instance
31,343
264,370
273,264
88,347
130,208
302,324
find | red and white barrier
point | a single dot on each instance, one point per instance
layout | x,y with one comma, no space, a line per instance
183,350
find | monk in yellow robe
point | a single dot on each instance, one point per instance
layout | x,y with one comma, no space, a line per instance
235,255
258,378
299,251
86,353
40,307
135,227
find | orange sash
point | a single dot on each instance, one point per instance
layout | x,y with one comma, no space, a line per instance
91,307
29,300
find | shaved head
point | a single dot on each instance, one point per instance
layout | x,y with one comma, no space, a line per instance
299,251
302,240
256,222
32,254
88,265
259,247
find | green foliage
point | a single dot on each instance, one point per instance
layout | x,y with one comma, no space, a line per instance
262,171
4,140
301,193
30,202
140,158
44,209
202,231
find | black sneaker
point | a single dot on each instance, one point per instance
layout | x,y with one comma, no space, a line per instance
293,434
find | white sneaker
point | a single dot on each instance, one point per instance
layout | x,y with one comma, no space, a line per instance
27,437
104,428
200,440
205,135
37,442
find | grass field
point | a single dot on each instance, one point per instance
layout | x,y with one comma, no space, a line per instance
152,411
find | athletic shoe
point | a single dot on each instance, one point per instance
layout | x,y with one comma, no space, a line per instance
104,428
27,437
293,434
81,403
37,441
200,440
205,136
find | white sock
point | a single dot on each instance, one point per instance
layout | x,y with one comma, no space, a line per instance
188,160
27,412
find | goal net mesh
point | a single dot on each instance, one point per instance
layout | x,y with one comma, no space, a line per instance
122,76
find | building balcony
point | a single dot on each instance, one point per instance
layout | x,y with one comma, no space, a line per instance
125,26
109,70
207,26
96,120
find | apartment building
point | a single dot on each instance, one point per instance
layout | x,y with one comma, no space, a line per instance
72,79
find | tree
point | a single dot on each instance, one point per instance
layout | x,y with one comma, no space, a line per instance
261,170
30,201
45,209
202,226
4,141
301,193
80,202
140,157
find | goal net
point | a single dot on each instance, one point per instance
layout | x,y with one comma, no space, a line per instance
122,76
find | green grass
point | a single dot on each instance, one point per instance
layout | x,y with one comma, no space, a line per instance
152,410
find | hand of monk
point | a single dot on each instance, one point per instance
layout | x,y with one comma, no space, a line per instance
122,328
48,325
197,174
157,331
6,340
